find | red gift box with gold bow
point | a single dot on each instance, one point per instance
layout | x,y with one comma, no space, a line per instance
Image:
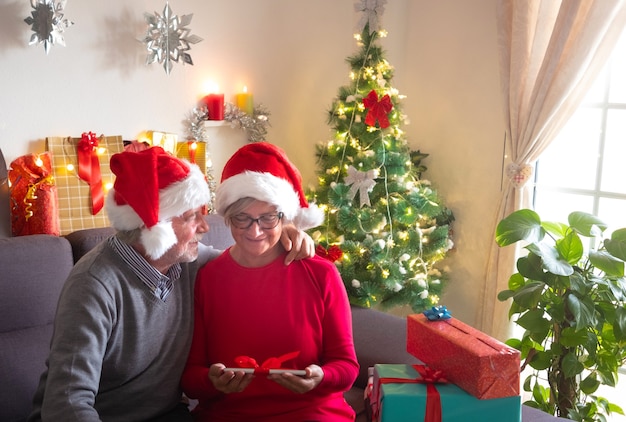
479,364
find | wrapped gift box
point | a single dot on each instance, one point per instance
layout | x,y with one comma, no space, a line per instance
33,196
476,362
74,194
400,402
165,140
195,152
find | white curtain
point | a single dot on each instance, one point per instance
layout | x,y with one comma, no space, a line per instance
550,53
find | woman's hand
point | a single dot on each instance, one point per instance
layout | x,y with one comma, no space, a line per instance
300,384
297,243
228,381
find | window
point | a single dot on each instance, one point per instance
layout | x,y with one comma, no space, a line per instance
584,169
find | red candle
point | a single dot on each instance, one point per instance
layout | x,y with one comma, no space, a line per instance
215,104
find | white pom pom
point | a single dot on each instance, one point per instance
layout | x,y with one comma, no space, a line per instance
158,239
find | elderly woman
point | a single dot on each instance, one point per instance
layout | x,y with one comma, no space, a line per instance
271,342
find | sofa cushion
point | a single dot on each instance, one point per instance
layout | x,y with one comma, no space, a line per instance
219,235
34,269
378,338
83,241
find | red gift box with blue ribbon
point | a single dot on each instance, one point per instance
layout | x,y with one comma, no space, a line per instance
481,365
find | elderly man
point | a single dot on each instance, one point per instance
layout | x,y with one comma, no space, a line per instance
125,316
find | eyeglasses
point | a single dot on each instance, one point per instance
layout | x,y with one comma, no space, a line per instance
265,222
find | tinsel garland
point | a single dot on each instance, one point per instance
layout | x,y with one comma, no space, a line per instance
194,124
255,125
195,128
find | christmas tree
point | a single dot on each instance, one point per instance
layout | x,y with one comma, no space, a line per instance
385,226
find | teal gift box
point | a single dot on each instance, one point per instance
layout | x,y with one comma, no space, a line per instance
406,402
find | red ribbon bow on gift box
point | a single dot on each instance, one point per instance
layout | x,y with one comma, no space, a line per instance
378,110
264,368
89,169
428,376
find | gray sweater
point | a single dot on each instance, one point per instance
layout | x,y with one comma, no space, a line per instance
118,351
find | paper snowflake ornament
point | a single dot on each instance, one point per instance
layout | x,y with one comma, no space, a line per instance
167,38
47,23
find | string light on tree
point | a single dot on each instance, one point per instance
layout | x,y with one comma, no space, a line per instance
389,223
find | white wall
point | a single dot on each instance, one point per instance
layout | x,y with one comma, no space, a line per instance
291,54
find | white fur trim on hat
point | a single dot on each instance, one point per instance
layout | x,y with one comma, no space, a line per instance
158,239
174,200
271,189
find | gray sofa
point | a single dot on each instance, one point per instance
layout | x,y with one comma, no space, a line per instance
33,269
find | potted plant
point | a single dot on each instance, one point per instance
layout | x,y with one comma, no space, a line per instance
569,298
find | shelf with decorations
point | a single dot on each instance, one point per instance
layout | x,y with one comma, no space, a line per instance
213,142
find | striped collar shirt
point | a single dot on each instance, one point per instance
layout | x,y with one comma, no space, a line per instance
159,284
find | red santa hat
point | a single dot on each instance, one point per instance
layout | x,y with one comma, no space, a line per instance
150,188
262,171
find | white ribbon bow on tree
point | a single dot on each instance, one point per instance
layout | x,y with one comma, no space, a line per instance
361,181
372,12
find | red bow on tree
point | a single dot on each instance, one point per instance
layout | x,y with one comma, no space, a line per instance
334,253
378,110
89,169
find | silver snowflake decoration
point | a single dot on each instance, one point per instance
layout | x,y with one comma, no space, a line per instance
167,39
47,23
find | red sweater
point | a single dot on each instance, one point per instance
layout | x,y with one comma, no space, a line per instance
267,312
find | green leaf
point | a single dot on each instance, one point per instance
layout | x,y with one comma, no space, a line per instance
618,288
557,229
583,310
578,283
552,261
541,361
530,267
520,225
541,394
607,263
505,295
571,337
516,281
586,224
527,382
616,409
616,245
514,343
534,321
529,295
570,248
619,325
571,366
591,345
590,384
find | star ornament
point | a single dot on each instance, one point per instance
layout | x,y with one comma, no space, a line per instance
167,38
47,23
